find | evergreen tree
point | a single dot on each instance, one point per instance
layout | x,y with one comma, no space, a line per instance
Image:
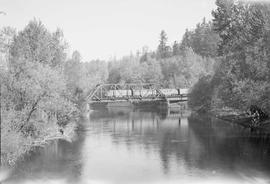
175,49
163,50
203,40
244,48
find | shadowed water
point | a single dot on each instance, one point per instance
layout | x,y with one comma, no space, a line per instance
150,146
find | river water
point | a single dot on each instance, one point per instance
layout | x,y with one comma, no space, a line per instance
127,145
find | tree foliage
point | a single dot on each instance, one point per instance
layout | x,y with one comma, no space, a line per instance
163,50
203,39
36,44
244,29
242,77
35,100
132,69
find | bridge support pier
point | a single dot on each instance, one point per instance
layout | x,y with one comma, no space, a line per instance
172,102
120,104
168,102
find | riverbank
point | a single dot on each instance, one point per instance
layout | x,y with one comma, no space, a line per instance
241,118
14,146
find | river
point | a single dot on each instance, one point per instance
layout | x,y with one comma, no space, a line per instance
146,145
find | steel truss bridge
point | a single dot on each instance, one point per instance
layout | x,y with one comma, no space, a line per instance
135,93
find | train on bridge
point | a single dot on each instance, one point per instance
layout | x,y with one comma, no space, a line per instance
135,94
144,92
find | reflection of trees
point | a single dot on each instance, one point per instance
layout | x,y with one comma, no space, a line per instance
202,143
147,128
59,159
230,147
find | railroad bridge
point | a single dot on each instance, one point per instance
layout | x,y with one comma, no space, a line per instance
136,93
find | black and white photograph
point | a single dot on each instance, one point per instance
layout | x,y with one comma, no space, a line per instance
135,91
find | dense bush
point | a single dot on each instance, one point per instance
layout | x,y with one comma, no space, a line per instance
201,94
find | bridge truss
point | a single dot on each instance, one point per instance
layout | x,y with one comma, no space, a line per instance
129,92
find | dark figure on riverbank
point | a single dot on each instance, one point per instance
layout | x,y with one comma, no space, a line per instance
61,131
257,114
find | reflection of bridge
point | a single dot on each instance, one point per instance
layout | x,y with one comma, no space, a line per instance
135,93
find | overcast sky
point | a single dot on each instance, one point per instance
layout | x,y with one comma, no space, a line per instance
108,28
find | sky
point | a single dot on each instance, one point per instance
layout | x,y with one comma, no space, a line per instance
104,29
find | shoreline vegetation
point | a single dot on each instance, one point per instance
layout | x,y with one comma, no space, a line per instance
39,102
29,144
225,63
239,88
239,117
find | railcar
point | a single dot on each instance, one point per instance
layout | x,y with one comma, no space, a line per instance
183,91
119,93
143,92
170,92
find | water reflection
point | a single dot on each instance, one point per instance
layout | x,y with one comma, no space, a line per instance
127,145
58,162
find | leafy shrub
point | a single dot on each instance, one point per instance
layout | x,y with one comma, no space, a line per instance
201,94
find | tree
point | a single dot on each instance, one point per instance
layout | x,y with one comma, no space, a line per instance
73,73
175,49
76,57
203,39
185,70
151,71
145,54
131,70
135,69
93,73
6,38
244,32
34,98
36,44
201,94
114,72
223,20
163,49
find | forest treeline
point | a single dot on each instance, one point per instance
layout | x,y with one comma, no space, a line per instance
224,62
170,65
241,78
179,64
